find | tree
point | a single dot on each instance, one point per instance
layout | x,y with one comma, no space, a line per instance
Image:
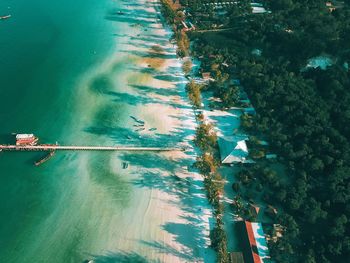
206,138
228,95
194,93
187,66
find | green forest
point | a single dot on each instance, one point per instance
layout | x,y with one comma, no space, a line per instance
304,111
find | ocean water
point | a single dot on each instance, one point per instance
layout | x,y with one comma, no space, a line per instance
74,72
47,51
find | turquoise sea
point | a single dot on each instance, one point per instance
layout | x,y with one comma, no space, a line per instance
74,72
46,50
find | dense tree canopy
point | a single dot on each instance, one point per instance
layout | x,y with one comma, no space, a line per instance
304,111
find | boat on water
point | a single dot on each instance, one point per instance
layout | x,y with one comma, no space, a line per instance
152,129
46,158
125,165
5,17
137,120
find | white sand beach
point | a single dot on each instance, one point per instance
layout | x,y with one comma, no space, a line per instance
168,217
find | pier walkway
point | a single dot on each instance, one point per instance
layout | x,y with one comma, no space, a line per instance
86,148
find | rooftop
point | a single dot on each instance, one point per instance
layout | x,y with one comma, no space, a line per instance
232,151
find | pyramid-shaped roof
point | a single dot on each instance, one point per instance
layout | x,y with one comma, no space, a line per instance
232,151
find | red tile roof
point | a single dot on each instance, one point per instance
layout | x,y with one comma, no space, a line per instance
252,242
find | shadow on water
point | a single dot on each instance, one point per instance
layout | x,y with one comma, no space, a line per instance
129,20
146,54
100,173
121,257
144,90
138,42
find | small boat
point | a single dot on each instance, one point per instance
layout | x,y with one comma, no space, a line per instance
125,165
141,129
152,129
5,17
139,125
120,13
137,120
46,158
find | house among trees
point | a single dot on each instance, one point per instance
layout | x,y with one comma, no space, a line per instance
276,233
271,156
250,111
271,211
188,26
233,151
330,6
207,77
258,8
254,209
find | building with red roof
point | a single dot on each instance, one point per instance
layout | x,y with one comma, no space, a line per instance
257,250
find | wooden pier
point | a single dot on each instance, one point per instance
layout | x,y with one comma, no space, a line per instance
86,148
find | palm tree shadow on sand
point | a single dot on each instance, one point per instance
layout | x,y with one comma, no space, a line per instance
121,257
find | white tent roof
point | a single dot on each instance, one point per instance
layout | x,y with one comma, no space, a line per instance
241,145
233,151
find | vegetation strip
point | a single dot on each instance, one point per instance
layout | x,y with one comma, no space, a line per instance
301,107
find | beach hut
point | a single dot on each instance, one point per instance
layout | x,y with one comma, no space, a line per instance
271,156
232,151
330,6
206,75
254,210
276,233
263,143
271,211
